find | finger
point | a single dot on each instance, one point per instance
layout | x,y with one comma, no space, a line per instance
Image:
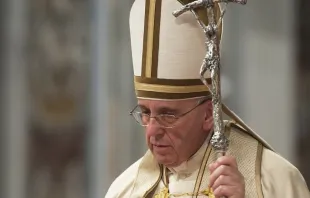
227,160
222,170
224,180
229,191
212,167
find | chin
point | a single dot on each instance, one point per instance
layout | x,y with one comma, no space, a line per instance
164,159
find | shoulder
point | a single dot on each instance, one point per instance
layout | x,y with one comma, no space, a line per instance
275,164
123,183
280,178
271,161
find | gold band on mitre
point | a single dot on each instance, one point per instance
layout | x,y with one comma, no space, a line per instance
167,51
170,88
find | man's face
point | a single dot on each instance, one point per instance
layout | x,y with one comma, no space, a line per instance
172,146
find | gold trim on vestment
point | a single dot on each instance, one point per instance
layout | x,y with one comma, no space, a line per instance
202,169
258,166
156,184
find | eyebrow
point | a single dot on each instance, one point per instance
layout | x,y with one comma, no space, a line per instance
168,110
163,109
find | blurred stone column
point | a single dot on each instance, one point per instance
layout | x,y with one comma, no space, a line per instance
58,64
99,142
14,99
116,140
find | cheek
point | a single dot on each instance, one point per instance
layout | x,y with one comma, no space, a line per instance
147,139
179,137
190,131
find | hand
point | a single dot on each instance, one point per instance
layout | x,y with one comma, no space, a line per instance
225,178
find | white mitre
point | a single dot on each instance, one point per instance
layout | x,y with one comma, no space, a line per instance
167,52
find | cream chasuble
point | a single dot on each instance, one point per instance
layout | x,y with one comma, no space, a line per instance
275,177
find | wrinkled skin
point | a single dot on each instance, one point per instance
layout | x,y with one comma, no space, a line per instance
172,146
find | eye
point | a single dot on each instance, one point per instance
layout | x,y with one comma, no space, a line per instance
144,112
168,113
169,118
144,118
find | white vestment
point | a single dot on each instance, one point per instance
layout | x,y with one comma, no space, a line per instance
279,178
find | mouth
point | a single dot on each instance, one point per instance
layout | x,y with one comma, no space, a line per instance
160,145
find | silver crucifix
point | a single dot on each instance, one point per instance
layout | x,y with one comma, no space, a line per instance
211,62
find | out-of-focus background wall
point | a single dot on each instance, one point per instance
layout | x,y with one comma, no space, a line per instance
66,85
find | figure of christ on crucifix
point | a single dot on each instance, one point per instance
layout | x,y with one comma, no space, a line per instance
211,62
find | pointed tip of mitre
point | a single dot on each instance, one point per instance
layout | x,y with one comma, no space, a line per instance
167,51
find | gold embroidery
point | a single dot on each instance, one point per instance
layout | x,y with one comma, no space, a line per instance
164,193
209,193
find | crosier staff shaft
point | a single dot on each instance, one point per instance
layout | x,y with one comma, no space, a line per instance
212,62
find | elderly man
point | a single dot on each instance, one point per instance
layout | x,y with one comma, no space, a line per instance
175,108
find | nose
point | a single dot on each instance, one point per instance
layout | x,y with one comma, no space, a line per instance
153,128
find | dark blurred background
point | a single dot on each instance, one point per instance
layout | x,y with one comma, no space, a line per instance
66,90
303,89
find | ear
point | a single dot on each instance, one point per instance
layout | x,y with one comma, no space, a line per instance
208,122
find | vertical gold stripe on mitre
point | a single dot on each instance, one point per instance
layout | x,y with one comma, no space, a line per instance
151,38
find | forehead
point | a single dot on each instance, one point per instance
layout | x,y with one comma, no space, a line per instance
173,104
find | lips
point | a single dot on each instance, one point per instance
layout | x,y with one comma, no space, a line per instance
154,143
160,145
